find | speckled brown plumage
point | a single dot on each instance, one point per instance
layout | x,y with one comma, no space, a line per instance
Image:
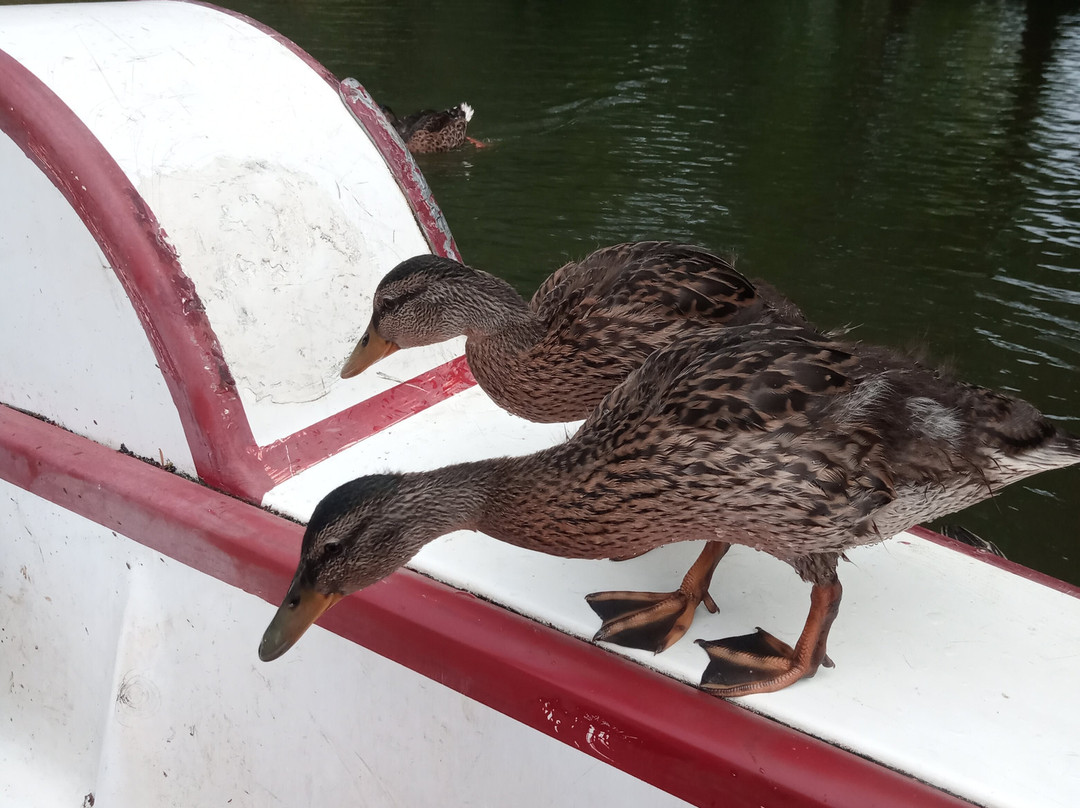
779,439
429,130
588,325
769,436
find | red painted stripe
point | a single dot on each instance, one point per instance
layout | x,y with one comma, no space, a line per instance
301,450
136,246
704,750
997,561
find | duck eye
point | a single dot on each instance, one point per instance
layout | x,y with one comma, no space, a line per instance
391,303
332,549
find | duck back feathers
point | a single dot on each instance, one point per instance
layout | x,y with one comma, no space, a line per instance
796,443
600,318
430,130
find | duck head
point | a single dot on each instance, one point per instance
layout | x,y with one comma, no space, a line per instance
359,534
408,310
425,300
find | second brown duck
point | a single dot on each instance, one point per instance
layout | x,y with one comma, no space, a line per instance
588,325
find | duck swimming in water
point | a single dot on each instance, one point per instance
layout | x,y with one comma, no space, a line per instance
770,436
430,130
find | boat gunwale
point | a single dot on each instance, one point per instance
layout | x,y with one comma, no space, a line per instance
705,750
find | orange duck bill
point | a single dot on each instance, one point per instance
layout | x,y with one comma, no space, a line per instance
302,607
369,350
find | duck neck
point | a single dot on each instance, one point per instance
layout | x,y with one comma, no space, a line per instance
497,311
486,495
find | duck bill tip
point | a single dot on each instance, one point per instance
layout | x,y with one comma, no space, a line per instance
300,609
369,350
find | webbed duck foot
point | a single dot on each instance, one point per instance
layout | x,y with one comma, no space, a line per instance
760,663
653,621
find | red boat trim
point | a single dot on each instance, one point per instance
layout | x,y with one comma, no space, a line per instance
300,451
702,749
1035,576
403,167
137,248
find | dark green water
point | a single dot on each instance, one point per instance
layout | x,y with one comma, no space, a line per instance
912,168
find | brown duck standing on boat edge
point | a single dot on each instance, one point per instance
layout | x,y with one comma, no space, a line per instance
774,437
588,325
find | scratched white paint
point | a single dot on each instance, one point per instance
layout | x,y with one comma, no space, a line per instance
72,347
134,678
278,204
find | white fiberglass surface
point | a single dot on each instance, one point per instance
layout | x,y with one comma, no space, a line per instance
943,662
134,678
71,344
279,206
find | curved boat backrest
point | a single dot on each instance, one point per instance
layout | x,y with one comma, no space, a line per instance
245,234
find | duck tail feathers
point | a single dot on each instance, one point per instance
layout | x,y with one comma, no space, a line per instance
467,110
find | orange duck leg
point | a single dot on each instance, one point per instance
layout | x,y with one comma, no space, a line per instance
760,663
653,621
